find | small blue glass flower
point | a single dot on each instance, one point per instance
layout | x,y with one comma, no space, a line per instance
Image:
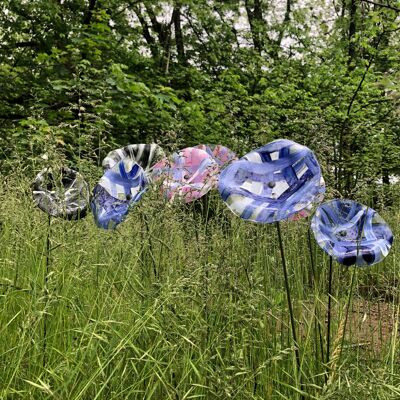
120,187
272,183
352,233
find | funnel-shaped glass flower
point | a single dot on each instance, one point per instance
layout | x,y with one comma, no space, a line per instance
272,183
146,155
65,196
221,154
189,175
351,233
120,187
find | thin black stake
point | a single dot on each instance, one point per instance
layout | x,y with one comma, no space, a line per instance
329,312
313,270
289,300
46,290
315,282
206,203
347,311
359,236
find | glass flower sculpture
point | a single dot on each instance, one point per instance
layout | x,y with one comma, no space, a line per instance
306,212
351,233
221,154
189,175
120,187
66,196
272,183
146,155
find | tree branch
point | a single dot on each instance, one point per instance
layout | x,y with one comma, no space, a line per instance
146,33
157,26
286,21
381,5
230,26
345,124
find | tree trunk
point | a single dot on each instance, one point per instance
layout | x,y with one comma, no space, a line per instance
163,31
347,146
256,22
180,47
89,14
351,60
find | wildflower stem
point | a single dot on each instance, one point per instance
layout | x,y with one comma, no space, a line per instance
315,281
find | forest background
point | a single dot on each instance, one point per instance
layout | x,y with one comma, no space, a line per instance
79,78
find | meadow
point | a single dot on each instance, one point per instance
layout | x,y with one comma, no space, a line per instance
185,303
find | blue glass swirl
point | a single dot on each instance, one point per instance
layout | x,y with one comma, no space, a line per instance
272,183
118,190
352,233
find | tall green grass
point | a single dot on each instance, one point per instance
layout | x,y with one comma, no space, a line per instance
177,305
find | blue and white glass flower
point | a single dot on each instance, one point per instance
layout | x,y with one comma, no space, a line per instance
120,187
272,183
352,233
146,155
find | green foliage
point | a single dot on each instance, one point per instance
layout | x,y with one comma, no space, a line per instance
97,74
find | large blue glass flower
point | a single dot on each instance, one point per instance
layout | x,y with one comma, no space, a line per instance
272,183
118,189
351,233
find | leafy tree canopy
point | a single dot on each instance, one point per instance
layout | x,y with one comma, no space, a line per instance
81,76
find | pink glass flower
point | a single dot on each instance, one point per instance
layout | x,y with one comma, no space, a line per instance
188,175
221,154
